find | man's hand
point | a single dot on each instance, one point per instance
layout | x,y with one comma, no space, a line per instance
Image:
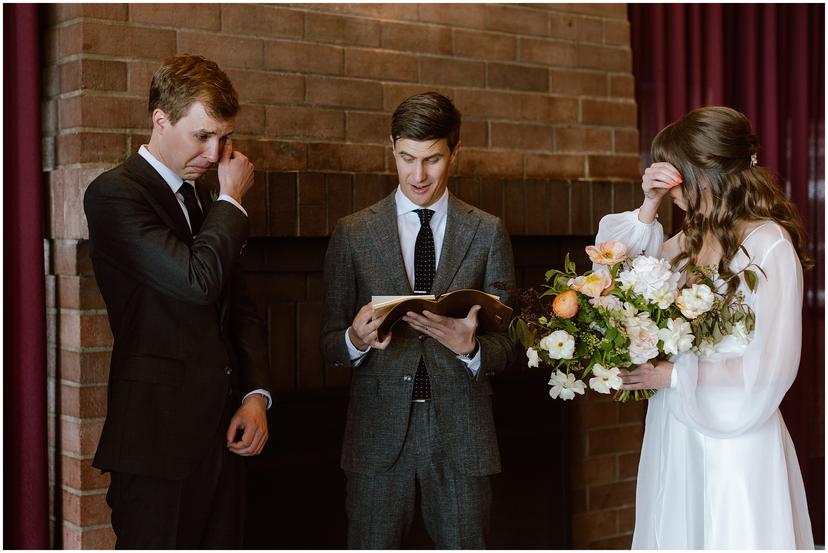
363,331
648,376
235,173
456,334
250,418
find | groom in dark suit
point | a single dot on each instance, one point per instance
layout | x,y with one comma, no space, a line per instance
420,411
188,378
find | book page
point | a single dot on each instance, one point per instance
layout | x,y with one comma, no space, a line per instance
384,304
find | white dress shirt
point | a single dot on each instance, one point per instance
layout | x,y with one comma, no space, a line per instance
174,182
408,226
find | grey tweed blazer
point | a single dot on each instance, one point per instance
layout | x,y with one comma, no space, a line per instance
364,259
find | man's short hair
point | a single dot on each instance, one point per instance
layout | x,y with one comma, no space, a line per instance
185,79
426,116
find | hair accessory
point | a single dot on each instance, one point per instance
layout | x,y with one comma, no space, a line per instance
753,160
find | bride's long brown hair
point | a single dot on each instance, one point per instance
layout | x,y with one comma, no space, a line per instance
713,146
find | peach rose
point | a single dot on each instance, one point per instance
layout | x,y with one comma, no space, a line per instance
565,305
593,285
607,253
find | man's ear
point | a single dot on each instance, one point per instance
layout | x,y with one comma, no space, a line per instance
391,139
455,151
160,120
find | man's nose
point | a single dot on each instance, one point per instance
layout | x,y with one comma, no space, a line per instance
213,151
419,172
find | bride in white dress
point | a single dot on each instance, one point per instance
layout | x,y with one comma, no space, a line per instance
718,468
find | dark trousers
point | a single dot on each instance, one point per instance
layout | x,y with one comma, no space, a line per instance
455,506
203,511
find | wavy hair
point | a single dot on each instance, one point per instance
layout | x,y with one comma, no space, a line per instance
713,146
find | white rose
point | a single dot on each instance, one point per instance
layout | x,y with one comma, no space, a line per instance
564,385
534,358
695,301
677,336
643,334
605,379
560,344
651,278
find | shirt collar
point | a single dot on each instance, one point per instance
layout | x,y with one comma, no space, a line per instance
172,180
404,205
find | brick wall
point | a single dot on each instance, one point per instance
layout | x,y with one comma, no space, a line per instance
549,144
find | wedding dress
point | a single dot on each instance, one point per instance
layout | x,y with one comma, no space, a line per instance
718,468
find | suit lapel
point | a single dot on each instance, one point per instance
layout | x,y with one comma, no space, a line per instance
159,191
386,239
461,228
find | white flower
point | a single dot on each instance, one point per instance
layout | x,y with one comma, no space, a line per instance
629,310
564,385
560,344
534,358
643,334
610,303
741,334
695,301
651,278
605,379
706,348
677,337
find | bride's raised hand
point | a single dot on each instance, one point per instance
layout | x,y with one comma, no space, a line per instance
656,183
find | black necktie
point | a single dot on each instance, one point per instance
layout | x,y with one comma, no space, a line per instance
187,191
424,269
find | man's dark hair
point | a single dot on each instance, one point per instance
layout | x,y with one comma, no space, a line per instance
185,79
426,116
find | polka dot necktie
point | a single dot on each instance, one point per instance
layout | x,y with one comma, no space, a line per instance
187,191
424,269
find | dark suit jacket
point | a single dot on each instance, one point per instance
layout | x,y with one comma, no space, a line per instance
188,343
364,259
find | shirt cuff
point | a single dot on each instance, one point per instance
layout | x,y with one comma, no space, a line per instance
230,199
355,354
265,393
473,364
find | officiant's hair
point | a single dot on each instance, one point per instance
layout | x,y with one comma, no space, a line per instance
427,116
185,79
715,147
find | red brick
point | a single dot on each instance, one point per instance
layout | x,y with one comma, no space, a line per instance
577,83
92,110
81,475
626,519
93,74
93,538
86,509
617,32
455,15
622,86
78,292
369,189
490,163
80,437
65,12
84,330
602,112
339,29
486,103
590,526
612,495
517,77
563,25
200,16
346,157
84,367
614,166
616,542
514,206
452,71
475,133
580,210
262,87
615,11
601,201
590,29
302,122
376,11
70,257
83,401
85,147
628,465
622,200
340,195
261,20
274,155
380,65
427,39
519,136
343,92
227,51
599,57
557,212
371,126
139,76
483,45
394,93
93,37
626,141
311,191
539,107
554,166
517,20
303,57
583,139
620,439
595,470
250,120
548,52
282,192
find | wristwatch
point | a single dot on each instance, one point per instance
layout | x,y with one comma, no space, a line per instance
466,358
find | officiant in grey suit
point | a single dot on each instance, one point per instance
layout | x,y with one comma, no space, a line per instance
420,410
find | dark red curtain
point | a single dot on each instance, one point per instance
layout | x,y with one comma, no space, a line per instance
767,61
26,488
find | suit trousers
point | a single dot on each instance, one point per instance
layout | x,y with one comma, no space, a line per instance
205,510
455,506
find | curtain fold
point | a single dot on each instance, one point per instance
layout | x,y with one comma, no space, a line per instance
26,487
767,61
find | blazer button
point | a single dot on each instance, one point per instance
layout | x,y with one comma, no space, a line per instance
421,337
408,378
228,370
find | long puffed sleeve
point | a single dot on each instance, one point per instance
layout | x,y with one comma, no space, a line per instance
736,394
637,236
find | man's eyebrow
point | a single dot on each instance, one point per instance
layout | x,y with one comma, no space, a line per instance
432,156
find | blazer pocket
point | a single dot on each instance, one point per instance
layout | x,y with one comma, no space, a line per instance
154,369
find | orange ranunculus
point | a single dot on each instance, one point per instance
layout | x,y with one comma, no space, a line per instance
565,305
593,285
607,253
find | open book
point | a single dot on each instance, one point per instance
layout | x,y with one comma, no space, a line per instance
493,315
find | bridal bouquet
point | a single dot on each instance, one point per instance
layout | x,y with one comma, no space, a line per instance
628,312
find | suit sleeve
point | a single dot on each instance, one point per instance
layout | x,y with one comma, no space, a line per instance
128,233
497,350
340,298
